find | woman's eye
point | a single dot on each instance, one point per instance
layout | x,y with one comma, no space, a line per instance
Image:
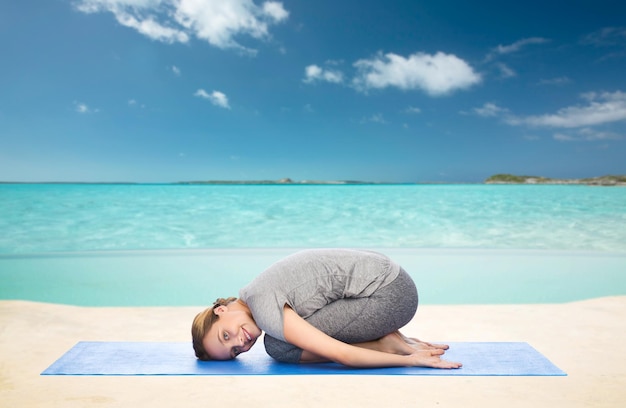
225,336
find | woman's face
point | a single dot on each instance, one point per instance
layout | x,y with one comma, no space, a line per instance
232,334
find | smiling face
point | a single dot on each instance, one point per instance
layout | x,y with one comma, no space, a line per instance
232,334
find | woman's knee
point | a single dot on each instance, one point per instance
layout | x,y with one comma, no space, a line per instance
281,351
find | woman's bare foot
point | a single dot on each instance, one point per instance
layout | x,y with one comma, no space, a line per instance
395,343
417,344
423,345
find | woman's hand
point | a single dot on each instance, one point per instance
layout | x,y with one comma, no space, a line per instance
431,358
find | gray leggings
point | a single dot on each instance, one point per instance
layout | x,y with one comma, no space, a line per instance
357,320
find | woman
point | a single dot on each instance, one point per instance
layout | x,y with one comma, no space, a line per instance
339,305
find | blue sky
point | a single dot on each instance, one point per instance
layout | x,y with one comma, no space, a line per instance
398,91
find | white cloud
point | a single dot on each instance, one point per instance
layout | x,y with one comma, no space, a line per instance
375,118
555,81
586,135
217,98
517,45
577,121
593,134
513,48
437,74
606,37
413,110
490,110
563,137
133,103
275,10
83,108
176,70
506,71
216,21
314,73
153,29
602,108
610,38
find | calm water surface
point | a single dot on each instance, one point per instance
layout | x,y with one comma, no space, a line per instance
44,218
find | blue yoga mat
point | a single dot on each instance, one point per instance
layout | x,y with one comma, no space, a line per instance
158,358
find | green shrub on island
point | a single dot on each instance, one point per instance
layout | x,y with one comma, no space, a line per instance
605,180
595,181
513,179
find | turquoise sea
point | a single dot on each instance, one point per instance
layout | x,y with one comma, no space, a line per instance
75,217
112,244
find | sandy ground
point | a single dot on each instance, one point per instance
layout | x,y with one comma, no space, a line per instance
586,339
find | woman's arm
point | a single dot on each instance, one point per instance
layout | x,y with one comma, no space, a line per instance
319,345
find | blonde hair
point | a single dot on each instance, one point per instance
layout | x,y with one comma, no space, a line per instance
201,325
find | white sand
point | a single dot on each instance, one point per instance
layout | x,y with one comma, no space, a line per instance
586,339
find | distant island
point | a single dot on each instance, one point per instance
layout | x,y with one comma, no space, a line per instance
281,181
495,179
593,181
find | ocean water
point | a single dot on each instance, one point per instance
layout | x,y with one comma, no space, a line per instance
76,217
171,245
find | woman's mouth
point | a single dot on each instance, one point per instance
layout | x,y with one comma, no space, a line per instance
245,333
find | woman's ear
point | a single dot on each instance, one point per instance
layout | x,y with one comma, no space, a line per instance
220,309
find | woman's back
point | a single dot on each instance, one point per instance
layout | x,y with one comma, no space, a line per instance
309,280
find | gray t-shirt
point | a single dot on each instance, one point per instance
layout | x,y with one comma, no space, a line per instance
309,280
